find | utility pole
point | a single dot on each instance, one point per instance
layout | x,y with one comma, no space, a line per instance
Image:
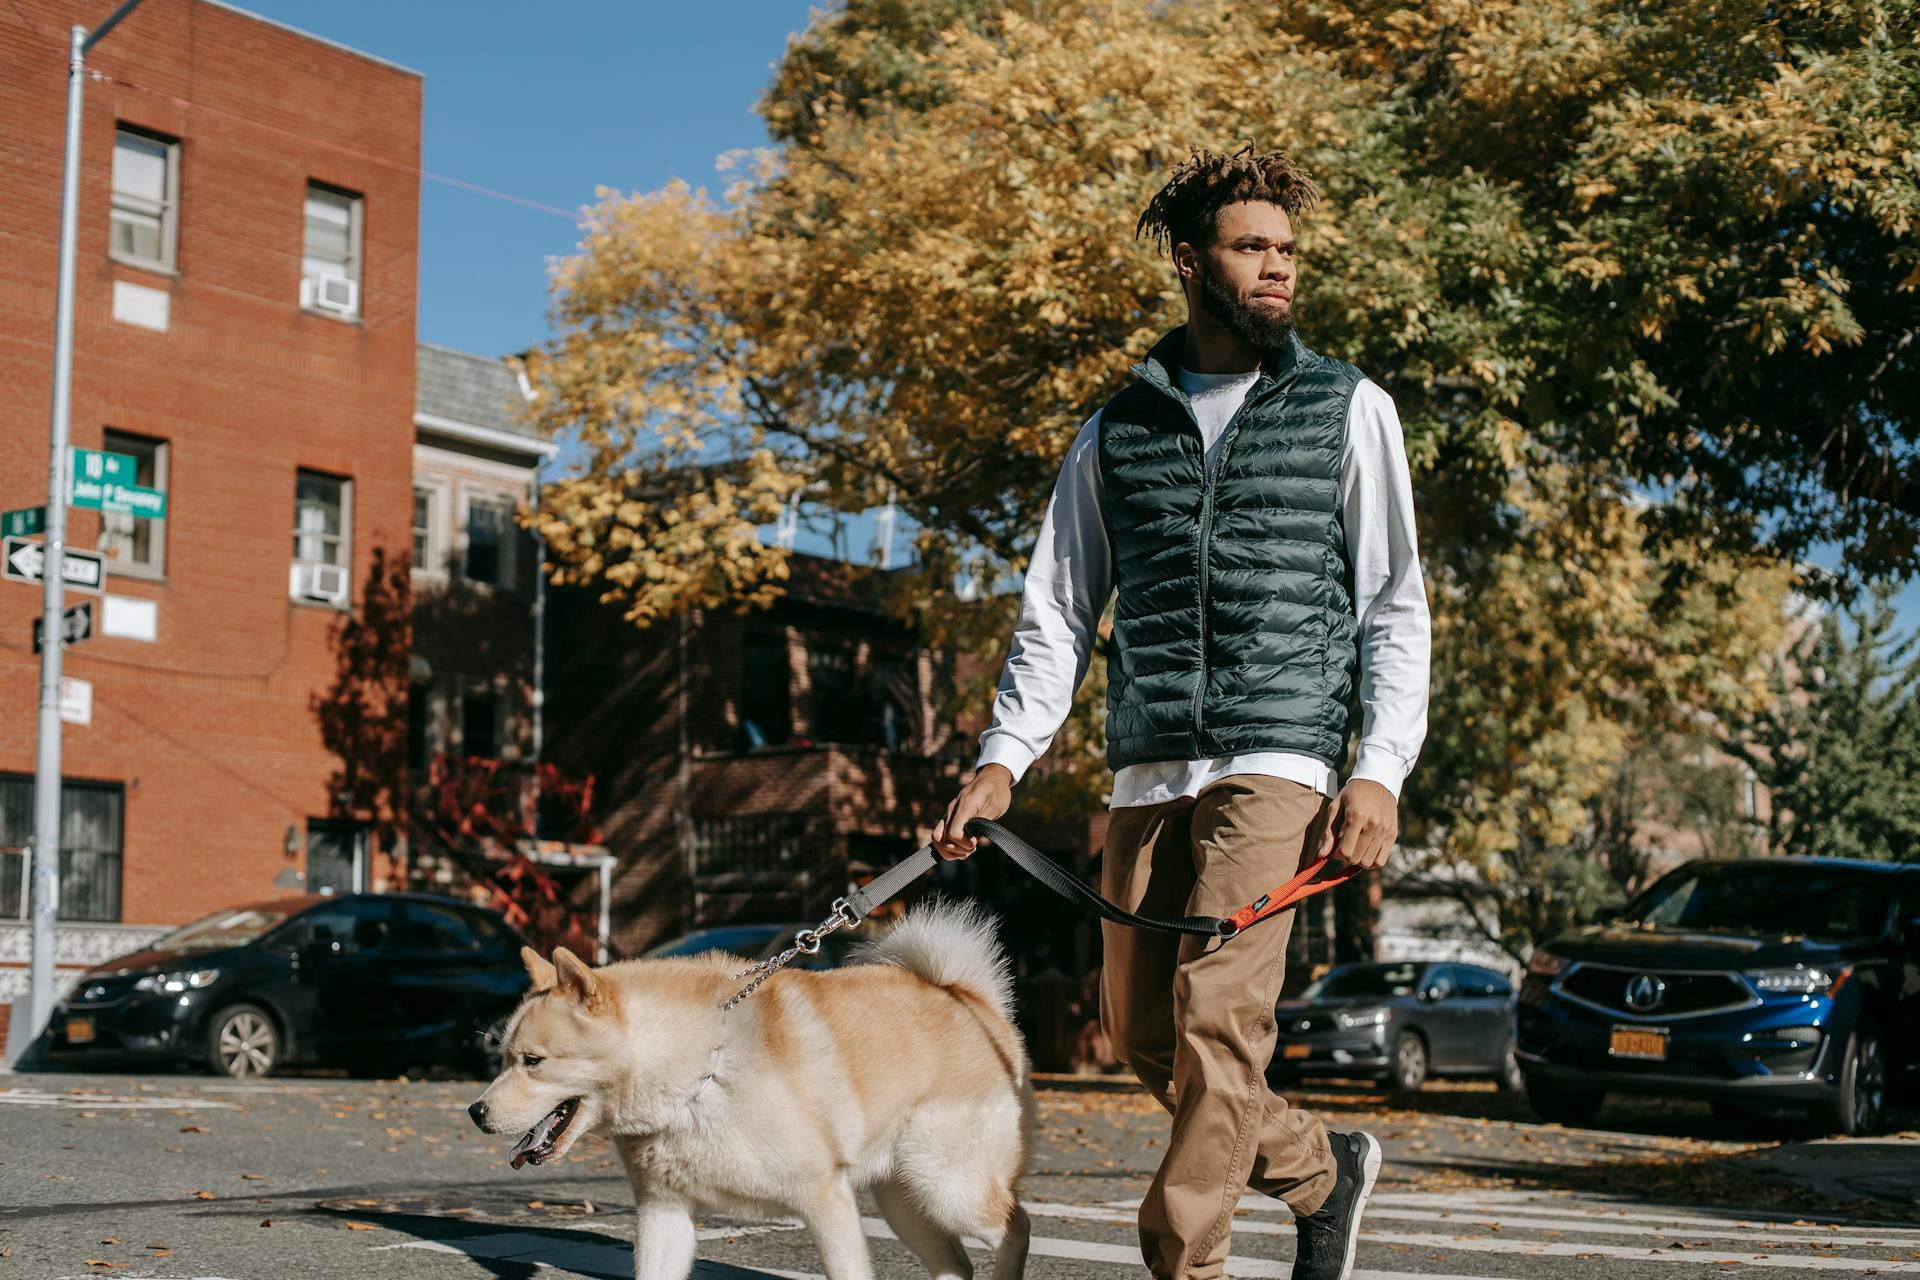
44,879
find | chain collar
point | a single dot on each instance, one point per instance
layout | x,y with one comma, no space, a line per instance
807,941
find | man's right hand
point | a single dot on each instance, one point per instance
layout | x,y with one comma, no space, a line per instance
987,796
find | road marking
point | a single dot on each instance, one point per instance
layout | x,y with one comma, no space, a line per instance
586,1257
105,1101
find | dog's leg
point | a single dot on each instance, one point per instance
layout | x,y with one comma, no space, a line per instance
941,1251
1010,1259
834,1219
663,1238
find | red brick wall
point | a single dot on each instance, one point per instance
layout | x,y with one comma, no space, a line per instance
210,729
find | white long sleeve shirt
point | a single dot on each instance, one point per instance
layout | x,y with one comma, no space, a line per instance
1071,577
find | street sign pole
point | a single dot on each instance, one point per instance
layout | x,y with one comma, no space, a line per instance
45,875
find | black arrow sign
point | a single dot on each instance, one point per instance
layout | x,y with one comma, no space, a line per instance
76,624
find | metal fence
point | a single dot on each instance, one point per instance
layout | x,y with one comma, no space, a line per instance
92,827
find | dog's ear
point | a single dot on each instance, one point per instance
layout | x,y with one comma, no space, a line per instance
577,982
539,970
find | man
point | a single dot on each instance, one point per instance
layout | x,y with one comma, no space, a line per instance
1249,502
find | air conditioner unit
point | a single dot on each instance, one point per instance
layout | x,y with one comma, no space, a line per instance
326,582
330,293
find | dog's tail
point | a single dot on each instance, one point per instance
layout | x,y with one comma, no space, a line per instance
951,944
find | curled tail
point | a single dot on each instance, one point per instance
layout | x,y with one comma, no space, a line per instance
951,944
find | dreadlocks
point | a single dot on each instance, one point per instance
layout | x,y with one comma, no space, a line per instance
1184,209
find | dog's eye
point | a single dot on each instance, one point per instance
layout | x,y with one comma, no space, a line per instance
531,1062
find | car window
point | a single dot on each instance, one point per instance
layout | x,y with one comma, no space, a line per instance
351,927
494,932
1363,981
1828,904
1440,982
433,927
1480,982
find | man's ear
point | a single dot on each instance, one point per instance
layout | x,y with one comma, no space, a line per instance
577,982
1186,260
539,970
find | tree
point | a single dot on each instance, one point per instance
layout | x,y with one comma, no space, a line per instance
1838,745
1596,251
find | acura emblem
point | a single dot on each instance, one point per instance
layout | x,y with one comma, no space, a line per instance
1645,993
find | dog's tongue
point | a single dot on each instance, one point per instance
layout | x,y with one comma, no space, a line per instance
523,1149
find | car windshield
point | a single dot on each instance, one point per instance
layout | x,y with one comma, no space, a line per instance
1827,904
226,929
1365,980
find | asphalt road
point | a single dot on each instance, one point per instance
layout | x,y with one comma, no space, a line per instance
183,1177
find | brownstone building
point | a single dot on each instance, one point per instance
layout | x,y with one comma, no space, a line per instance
244,329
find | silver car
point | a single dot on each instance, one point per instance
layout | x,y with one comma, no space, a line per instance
1398,1022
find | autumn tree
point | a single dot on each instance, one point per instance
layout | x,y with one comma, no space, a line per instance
1641,280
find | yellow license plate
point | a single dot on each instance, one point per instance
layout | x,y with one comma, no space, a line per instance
1639,1042
79,1030
1295,1051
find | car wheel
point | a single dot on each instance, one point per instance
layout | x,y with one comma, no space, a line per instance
1859,1106
1556,1105
1409,1062
243,1042
1510,1080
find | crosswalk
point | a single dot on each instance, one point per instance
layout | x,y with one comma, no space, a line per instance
1486,1235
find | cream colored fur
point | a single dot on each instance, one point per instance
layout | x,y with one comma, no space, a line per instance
902,1077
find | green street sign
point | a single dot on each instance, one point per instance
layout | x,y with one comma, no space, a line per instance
104,468
24,522
131,499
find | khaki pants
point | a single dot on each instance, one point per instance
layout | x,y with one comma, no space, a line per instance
1194,1017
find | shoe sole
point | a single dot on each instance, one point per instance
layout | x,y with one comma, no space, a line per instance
1369,1172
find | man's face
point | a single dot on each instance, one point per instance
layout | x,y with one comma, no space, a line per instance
1246,275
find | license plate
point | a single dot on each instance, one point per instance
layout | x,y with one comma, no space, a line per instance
1639,1042
1295,1051
79,1030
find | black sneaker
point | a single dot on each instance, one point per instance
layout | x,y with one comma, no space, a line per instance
1330,1235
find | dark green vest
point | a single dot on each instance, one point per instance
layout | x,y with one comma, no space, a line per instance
1234,628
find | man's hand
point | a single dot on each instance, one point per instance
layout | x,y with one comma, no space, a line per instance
987,796
1364,824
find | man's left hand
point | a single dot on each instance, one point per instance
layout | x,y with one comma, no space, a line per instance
1363,825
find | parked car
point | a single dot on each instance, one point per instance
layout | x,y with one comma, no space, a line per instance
734,939
1749,984
360,980
1398,1022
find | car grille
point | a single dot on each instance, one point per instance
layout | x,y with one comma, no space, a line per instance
92,991
1680,994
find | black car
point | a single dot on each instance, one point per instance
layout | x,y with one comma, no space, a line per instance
734,939
1398,1022
1751,984
366,981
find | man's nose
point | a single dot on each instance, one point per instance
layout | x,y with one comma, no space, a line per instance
479,1113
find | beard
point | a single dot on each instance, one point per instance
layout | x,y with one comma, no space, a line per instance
1263,329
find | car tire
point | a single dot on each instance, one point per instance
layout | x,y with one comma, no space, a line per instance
1557,1105
1409,1070
1859,1105
243,1042
1510,1079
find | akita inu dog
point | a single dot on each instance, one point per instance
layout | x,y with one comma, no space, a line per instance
904,1077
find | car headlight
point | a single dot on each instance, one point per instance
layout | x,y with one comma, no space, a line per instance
1361,1018
1545,963
1799,980
174,983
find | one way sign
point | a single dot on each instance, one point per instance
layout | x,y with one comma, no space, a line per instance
81,570
76,624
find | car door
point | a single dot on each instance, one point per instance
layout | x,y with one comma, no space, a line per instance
1488,999
1443,1018
441,979
344,958
1905,1049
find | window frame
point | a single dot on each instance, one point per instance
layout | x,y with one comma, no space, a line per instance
154,568
472,495
345,537
439,556
356,251
499,729
168,261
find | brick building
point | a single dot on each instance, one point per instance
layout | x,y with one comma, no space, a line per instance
247,266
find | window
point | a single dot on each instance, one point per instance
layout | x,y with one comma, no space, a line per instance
431,927
136,545
322,518
419,724
347,928
146,193
330,262
1480,982
766,712
490,541
422,528
480,724
90,847
836,715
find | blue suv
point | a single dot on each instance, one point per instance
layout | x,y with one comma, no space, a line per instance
1749,984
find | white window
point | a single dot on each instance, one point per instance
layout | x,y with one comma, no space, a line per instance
330,261
137,546
322,551
146,197
490,530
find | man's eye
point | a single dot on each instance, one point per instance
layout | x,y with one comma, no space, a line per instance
531,1062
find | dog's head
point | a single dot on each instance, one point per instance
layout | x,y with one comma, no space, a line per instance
561,1060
